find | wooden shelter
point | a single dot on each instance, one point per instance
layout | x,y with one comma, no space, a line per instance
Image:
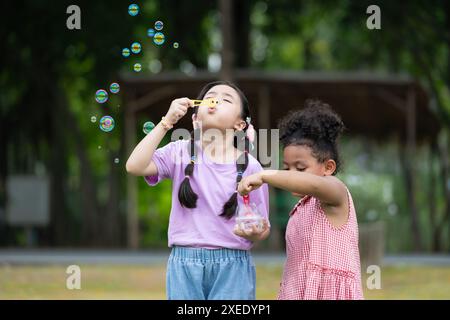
373,106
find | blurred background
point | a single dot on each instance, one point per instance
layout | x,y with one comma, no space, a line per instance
65,195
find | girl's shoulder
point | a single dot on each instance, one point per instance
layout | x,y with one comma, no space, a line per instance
253,164
181,145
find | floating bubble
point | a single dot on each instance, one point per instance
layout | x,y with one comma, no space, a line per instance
101,96
93,119
137,67
133,9
116,160
114,87
148,126
175,45
106,123
136,47
126,52
159,25
151,32
159,38
99,147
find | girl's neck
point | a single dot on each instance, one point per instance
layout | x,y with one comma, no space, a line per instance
219,147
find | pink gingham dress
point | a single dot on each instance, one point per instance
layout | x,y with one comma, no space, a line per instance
322,260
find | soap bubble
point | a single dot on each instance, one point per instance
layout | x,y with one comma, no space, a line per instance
159,25
151,32
101,96
93,119
148,126
114,87
106,123
133,9
137,67
158,38
116,160
126,52
136,47
175,45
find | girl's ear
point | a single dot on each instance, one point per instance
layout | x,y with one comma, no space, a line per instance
240,125
330,167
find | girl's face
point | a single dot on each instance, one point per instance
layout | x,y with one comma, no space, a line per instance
300,158
226,114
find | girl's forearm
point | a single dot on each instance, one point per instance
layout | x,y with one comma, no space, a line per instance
142,154
297,182
325,188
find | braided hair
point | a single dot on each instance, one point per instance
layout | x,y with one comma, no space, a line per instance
187,197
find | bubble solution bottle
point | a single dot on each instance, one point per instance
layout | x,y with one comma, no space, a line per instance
249,216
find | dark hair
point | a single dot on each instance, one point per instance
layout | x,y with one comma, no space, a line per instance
187,196
316,126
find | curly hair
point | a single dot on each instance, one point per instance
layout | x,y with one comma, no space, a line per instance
317,126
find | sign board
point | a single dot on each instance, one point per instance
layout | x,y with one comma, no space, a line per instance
27,201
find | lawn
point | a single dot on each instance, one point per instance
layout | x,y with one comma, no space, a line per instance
141,282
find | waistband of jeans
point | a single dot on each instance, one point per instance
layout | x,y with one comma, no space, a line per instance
190,253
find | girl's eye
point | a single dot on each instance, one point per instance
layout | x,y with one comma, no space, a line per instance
285,168
300,169
226,100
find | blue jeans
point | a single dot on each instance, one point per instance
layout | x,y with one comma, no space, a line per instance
210,274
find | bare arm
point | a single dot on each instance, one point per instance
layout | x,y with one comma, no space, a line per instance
328,189
140,161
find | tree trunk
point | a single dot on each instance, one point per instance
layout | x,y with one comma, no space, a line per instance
226,26
91,232
58,173
241,31
436,243
445,172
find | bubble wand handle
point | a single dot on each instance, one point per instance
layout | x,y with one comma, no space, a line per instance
246,199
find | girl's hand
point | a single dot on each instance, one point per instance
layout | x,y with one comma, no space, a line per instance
254,234
178,108
250,183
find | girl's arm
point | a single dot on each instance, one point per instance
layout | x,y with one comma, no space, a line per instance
328,189
140,161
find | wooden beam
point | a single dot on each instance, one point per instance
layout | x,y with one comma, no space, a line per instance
392,99
152,97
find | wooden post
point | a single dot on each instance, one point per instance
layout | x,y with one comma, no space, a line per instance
263,110
410,166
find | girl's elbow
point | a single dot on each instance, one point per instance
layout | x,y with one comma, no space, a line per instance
132,168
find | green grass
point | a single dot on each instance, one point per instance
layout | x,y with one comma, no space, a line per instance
140,282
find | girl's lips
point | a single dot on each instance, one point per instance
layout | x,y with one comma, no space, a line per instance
211,110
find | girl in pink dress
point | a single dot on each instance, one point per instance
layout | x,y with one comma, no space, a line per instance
322,233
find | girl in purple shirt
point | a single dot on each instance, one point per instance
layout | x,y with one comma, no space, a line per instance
210,256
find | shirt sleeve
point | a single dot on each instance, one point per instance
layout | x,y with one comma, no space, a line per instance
165,159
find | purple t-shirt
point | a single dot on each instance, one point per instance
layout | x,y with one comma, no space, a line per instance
214,183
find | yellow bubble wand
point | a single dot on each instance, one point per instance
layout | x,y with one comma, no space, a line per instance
211,102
